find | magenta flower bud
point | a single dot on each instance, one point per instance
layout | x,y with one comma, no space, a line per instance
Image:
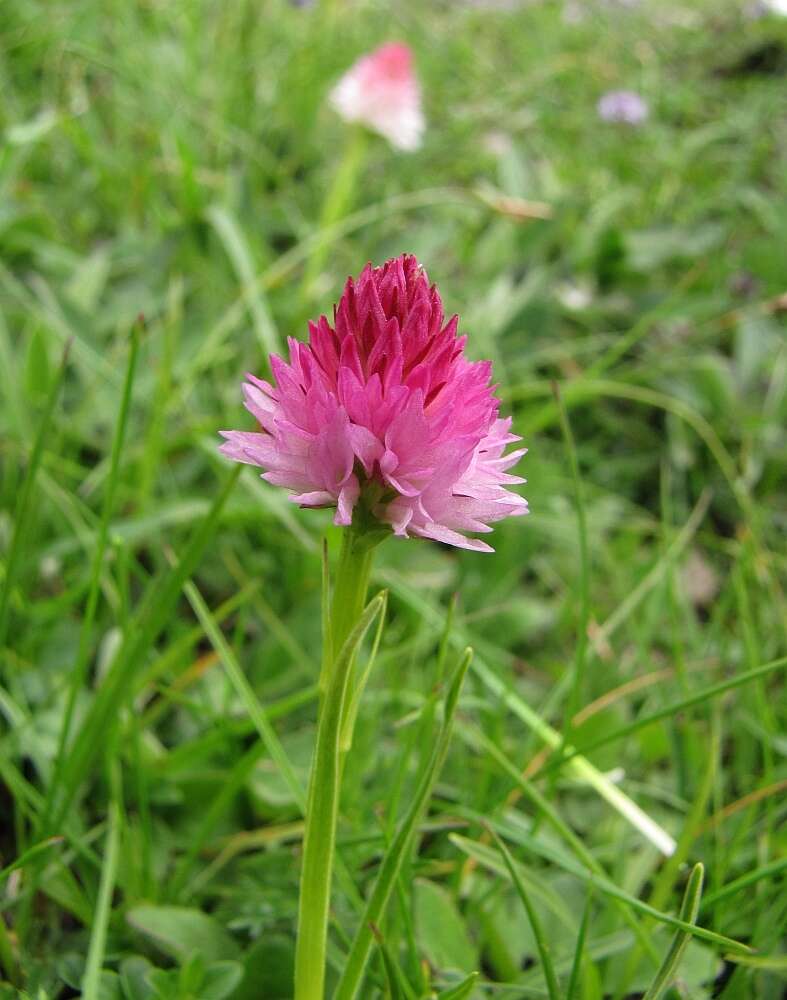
384,417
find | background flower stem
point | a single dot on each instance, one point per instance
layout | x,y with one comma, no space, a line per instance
337,203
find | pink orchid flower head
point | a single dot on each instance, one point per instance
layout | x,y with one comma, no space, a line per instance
381,91
384,417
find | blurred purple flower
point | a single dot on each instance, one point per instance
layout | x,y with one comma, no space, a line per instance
622,106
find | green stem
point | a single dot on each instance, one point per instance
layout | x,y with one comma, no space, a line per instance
349,596
350,586
338,201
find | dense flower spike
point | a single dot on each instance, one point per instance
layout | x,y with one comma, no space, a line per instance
384,409
382,92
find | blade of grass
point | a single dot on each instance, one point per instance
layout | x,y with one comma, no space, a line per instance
336,204
666,877
752,798
688,912
46,309
583,617
8,962
79,671
246,694
751,645
656,573
489,860
768,963
16,410
352,974
541,942
231,786
669,710
621,345
24,507
91,981
29,855
771,870
579,947
584,388
662,888
461,991
581,767
479,739
398,987
149,622
234,243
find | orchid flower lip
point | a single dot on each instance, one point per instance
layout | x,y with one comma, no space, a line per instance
382,416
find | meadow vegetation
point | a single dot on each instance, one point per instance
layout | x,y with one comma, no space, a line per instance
163,177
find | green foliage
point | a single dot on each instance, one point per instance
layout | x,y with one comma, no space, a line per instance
160,633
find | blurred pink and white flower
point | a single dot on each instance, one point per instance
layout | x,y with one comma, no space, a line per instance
383,416
382,92
778,7
624,106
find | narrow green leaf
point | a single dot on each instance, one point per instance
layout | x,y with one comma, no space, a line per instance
579,947
91,981
233,782
79,670
358,684
352,975
63,888
237,249
583,616
149,622
445,638
581,767
29,855
767,963
688,913
246,693
489,859
338,200
771,870
461,991
673,708
398,987
541,943
555,820
24,506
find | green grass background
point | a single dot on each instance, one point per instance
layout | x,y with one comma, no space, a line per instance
172,160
